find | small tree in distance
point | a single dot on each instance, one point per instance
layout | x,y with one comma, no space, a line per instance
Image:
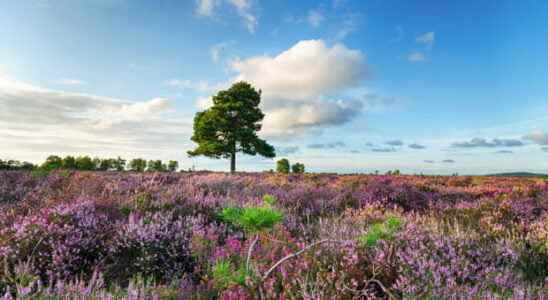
52,162
297,168
282,166
231,126
156,166
173,165
84,163
137,165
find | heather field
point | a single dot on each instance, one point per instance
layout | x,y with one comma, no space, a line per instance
110,235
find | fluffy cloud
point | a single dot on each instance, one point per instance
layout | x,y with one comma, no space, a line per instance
416,57
483,143
39,120
428,39
298,85
416,146
538,137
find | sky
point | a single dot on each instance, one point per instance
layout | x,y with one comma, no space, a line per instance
433,87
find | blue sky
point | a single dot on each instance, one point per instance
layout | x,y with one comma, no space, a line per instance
349,86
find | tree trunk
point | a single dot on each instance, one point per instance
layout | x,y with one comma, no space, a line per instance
233,162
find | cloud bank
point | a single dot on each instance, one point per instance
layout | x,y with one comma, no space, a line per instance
483,143
45,120
302,86
538,137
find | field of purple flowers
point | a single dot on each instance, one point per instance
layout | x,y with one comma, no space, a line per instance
109,235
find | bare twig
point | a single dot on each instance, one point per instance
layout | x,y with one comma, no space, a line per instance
295,254
250,251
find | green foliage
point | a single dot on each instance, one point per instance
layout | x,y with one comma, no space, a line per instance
69,162
84,163
533,260
270,200
53,162
105,164
173,165
381,231
282,166
13,165
119,164
231,125
144,202
297,168
156,166
138,165
253,218
256,219
125,210
224,274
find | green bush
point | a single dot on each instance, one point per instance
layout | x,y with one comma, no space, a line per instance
224,274
282,166
381,231
253,218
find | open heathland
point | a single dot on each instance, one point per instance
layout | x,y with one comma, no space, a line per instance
126,235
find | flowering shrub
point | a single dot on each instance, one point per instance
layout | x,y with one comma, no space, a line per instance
63,241
200,235
156,246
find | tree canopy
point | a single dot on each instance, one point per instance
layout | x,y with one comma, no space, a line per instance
282,166
231,126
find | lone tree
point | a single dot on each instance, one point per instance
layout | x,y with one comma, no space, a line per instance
231,126
297,168
282,166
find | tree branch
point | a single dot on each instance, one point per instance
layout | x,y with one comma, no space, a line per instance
250,251
295,254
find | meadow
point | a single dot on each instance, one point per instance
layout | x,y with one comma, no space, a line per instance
199,235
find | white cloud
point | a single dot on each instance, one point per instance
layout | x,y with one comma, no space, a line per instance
299,85
416,57
315,18
306,70
244,10
206,8
204,103
537,136
241,4
70,81
35,121
428,39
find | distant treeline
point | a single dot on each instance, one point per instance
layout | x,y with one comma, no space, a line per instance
86,163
